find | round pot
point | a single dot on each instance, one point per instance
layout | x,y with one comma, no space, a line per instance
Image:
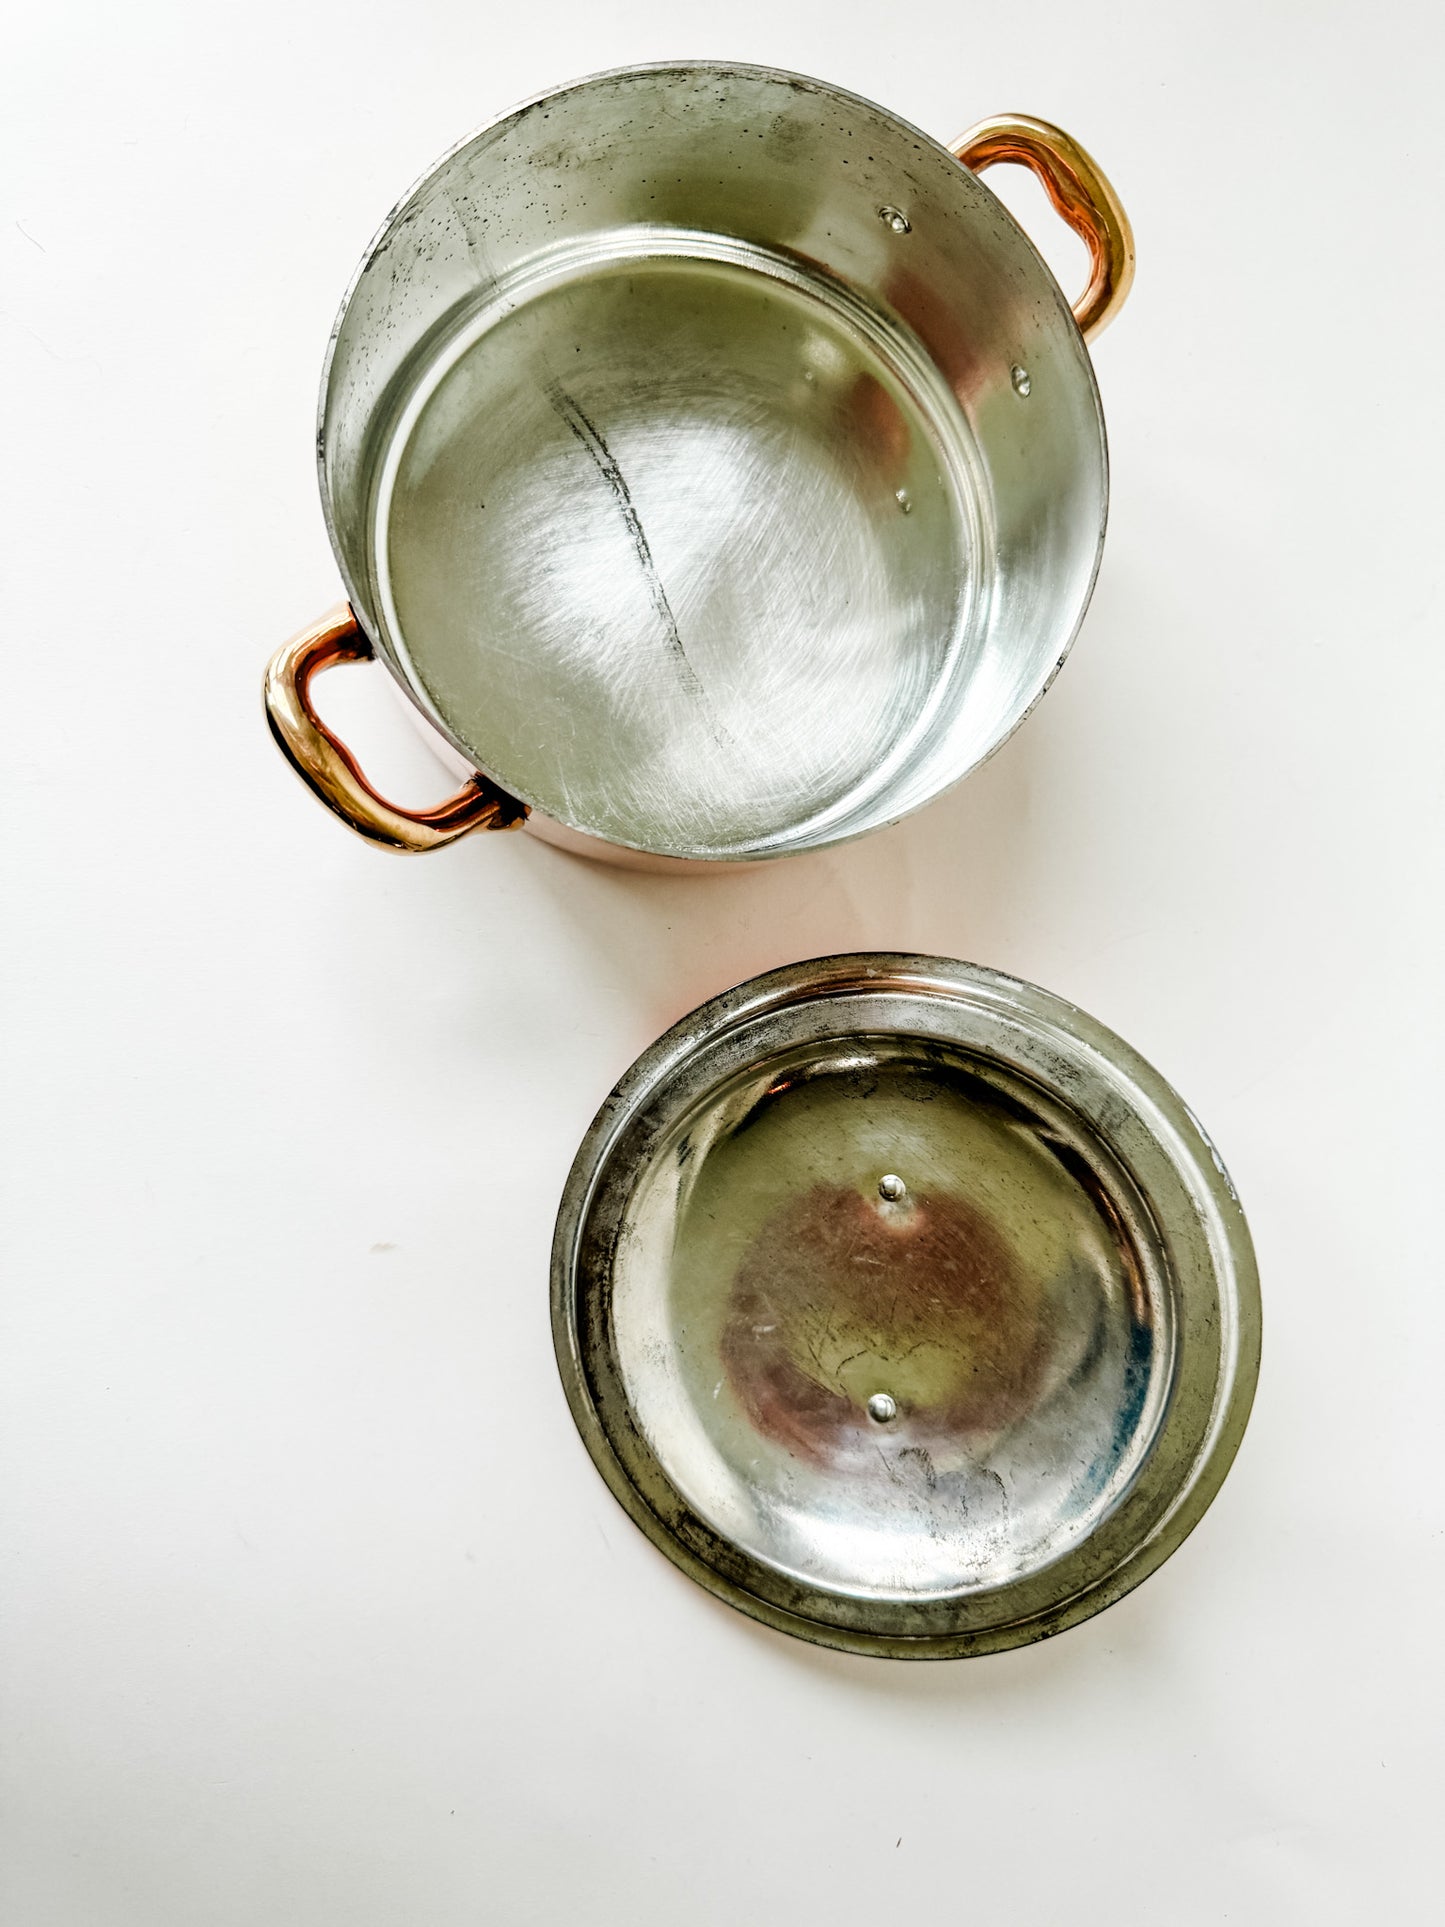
904,1306
713,461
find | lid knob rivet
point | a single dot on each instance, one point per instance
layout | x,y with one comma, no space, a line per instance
892,1189
882,1408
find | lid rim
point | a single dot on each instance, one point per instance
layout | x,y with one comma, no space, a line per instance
1210,1245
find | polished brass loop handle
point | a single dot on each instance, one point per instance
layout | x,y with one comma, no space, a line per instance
1080,193
331,772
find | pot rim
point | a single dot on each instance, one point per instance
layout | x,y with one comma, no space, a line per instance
408,683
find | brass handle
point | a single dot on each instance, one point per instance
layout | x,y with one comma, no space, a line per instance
1081,195
330,771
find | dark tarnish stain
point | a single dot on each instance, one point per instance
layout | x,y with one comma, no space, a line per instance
990,1474
1137,1375
586,432
919,1455
837,1298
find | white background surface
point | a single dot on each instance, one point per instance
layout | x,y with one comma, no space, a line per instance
315,1610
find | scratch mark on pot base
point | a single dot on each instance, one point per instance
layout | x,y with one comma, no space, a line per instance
591,439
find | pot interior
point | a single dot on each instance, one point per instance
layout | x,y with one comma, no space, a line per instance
675,459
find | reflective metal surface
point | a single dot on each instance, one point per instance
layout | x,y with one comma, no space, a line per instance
904,1306
714,460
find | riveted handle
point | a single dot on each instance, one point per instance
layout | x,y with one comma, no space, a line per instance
329,770
1080,193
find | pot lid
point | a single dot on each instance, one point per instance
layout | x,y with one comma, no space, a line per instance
904,1306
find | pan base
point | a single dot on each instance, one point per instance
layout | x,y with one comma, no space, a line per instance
684,545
